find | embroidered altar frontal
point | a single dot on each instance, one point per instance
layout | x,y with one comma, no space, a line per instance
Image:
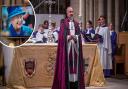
33,66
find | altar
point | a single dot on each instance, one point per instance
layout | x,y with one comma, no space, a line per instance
32,65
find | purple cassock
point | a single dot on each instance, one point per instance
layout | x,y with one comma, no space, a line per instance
69,65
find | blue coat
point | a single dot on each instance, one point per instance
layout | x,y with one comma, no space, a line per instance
113,42
24,31
90,31
34,34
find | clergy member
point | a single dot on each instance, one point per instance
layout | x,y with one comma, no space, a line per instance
105,46
69,67
89,28
113,39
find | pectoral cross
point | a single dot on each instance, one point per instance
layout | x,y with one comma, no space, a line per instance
72,28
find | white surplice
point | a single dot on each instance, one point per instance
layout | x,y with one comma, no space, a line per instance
72,49
105,47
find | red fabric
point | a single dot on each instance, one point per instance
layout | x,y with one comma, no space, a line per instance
61,68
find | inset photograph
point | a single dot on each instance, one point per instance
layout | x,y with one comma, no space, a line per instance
17,22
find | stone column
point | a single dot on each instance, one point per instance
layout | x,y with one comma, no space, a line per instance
109,11
83,12
87,10
117,16
79,9
101,7
96,16
91,8
75,6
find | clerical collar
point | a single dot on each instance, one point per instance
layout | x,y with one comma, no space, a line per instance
89,28
104,25
111,30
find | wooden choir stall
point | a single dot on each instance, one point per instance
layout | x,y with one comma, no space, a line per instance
123,39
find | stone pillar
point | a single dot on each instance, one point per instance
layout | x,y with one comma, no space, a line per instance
96,16
87,10
100,7
117,16
109,11
83,12
91,10
79,9
75,6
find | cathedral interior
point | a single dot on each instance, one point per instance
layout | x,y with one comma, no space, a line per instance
115,11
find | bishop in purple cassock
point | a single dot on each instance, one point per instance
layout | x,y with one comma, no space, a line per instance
69,67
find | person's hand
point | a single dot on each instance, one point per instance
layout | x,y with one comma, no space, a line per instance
72,37
69,37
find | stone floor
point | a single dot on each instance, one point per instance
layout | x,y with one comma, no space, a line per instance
112,83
